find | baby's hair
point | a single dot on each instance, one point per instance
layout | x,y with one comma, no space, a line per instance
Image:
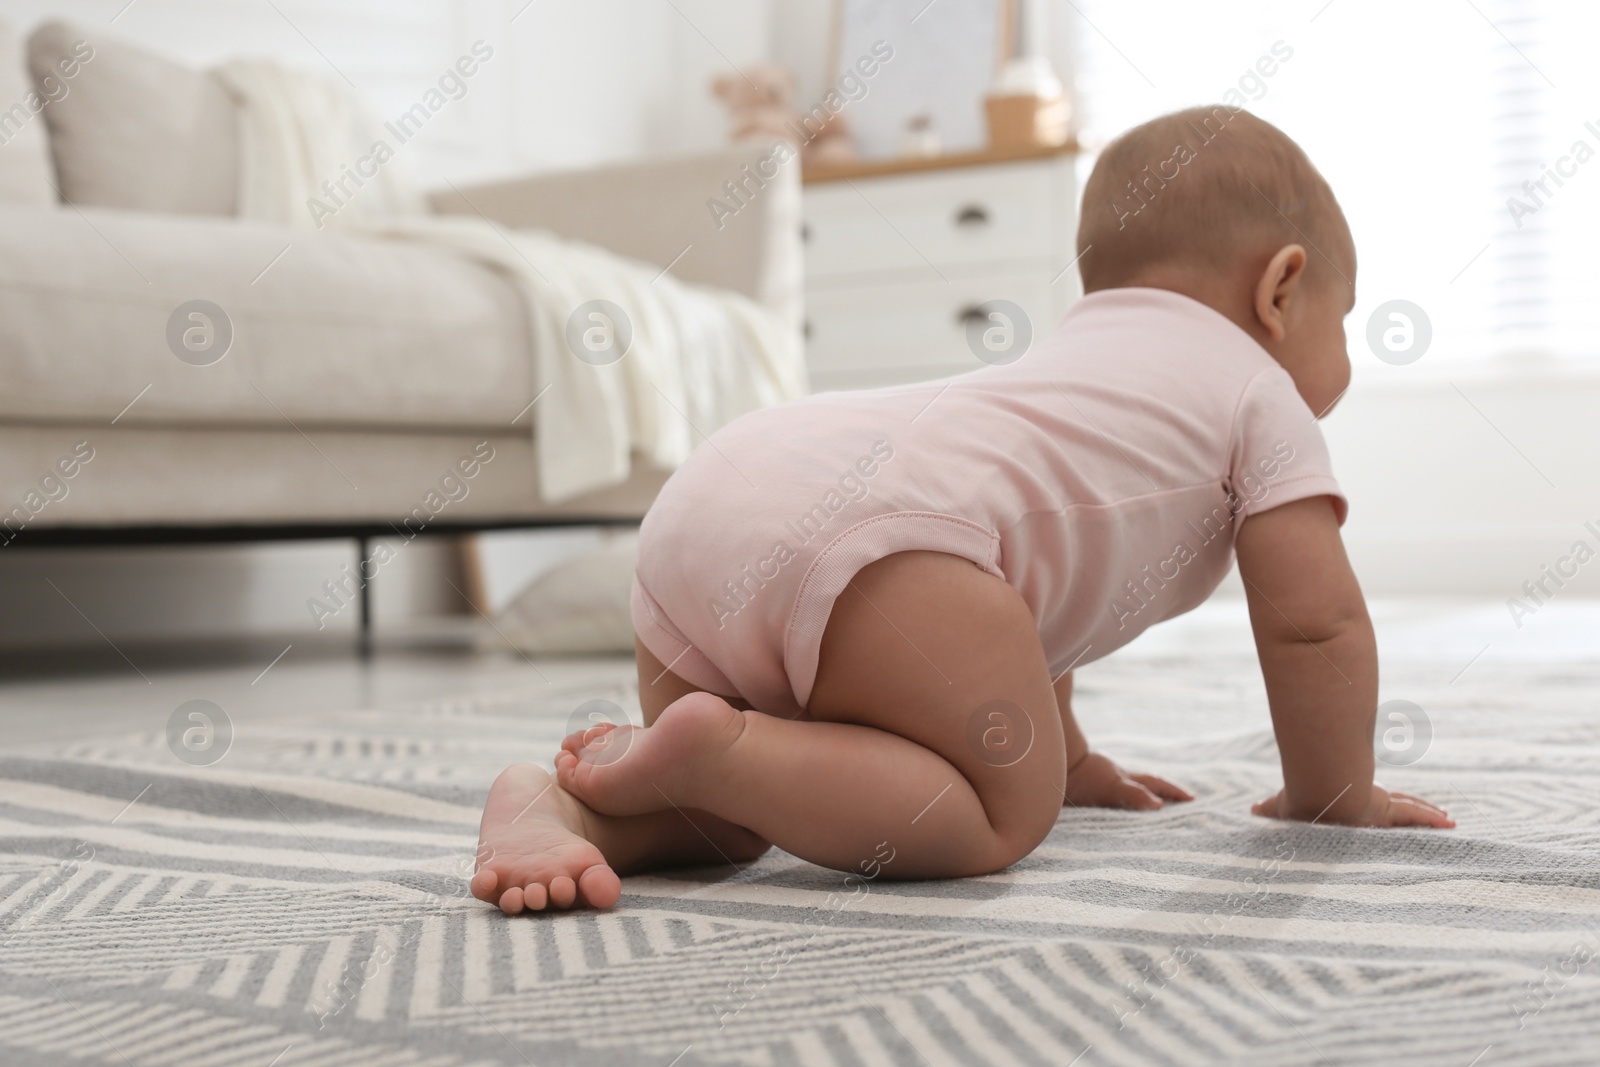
1198,189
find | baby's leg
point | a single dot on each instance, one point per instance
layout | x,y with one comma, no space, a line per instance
540,847
923,659
659,689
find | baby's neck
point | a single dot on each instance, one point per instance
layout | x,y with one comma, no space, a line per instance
1229,295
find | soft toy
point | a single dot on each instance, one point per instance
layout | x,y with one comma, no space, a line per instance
759,102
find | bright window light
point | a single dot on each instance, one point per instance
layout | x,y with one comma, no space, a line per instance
1461,136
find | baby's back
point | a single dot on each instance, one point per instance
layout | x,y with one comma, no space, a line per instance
1102,475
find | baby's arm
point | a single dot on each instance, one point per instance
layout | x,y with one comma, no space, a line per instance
1320,662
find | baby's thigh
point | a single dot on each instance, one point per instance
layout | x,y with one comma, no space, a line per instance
928,646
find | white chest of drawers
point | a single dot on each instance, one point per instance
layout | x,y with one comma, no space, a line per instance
899,260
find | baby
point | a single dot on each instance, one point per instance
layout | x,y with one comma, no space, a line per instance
857,614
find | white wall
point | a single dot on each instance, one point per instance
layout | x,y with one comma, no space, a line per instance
1468,483
572,83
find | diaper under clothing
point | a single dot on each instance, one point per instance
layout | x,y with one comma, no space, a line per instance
1104,476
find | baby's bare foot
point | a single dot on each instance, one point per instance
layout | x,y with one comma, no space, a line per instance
533,848
631,770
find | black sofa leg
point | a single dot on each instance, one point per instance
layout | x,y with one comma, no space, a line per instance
364,641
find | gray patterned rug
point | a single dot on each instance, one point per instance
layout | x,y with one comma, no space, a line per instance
302,902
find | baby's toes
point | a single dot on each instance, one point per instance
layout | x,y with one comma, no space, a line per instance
534,896
576,775
600,886
575,743
484,883
567,765
511,900
563,891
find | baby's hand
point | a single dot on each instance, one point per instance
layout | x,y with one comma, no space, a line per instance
1383,809
1096,782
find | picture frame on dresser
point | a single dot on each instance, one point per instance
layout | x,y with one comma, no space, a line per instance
945,58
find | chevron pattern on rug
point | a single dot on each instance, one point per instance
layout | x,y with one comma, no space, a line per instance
303,902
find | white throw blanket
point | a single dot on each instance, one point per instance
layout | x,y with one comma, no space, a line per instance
699,357
297,132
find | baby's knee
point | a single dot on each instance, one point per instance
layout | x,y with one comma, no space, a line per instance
747,847
1033,816
1015,829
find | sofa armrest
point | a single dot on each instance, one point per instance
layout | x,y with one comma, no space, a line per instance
665,212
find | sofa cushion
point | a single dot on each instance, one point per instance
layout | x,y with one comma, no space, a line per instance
326,330
137,131
24,150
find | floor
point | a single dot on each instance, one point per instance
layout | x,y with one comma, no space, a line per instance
113,695
102,691
298,900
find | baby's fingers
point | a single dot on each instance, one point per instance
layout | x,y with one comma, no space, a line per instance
1133,794
1408,810
1162,788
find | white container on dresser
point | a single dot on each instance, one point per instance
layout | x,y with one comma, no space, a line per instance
899,257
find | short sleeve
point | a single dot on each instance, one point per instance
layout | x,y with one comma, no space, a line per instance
1278,455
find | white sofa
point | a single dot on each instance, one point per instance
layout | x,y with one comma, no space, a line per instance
361,371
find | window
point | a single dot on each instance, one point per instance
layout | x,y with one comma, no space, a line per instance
1461,136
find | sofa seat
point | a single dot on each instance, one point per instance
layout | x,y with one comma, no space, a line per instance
328,331
244,476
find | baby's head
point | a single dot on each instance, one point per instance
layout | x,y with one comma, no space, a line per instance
1223,207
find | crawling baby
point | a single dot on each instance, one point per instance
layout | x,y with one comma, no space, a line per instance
857,614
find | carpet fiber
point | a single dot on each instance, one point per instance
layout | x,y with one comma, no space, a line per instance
303,902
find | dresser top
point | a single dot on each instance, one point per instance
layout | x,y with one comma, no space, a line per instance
911,164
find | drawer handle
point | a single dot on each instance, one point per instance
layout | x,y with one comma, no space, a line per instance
972,215
970,314
805,232
805,329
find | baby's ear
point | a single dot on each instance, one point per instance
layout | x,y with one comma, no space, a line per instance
1278,284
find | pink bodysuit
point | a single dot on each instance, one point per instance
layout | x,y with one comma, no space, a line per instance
1104,475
